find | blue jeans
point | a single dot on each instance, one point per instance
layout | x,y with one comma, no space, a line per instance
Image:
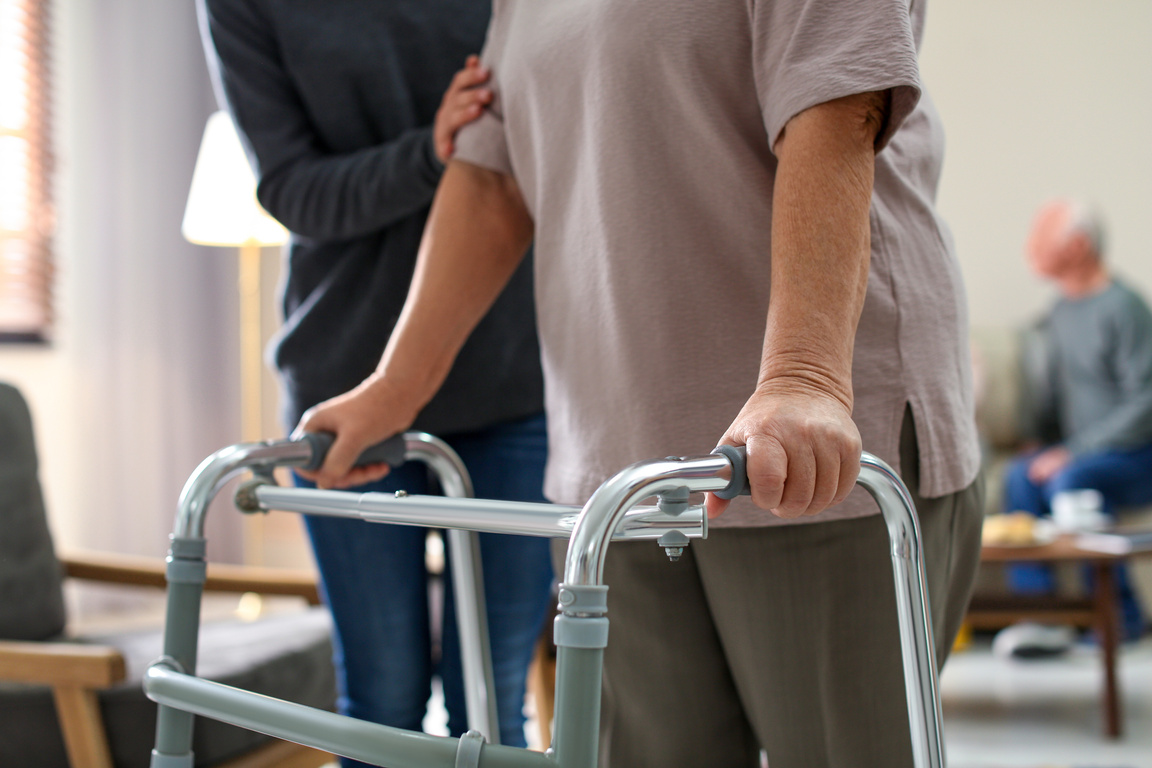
1124,478
376,585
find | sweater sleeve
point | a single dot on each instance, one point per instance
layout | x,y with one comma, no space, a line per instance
312,192
1129,425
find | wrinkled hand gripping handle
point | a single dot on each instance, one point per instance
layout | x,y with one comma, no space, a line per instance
390,451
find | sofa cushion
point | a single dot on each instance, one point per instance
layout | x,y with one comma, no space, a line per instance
287,656
31,597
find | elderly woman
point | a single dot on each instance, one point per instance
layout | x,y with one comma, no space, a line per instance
732,206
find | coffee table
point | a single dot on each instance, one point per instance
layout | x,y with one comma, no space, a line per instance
1099,611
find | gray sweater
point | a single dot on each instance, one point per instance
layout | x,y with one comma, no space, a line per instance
335,101
1101,370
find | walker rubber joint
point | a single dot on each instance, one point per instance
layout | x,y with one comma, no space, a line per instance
583,599
180,571
185,563
468,750
674,501
171,761
187,548
581,622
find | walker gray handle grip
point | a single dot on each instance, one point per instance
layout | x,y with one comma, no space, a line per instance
390,451
738,485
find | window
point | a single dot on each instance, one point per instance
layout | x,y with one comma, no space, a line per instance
26,215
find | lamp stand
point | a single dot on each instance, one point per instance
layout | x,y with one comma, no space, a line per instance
251,384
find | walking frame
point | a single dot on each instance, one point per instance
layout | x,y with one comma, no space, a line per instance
612,513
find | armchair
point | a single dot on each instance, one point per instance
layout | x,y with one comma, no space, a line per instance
69,701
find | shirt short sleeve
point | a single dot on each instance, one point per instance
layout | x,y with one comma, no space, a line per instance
807,52
483,142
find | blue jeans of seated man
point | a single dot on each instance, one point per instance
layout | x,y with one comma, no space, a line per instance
1124,478
376,584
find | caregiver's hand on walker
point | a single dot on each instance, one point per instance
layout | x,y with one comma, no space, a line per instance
359,418
477,234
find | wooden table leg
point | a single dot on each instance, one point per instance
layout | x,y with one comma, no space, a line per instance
1107,629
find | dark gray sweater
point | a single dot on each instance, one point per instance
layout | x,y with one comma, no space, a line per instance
335,100
1101,372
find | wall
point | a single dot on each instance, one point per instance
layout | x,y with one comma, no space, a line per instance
1040,98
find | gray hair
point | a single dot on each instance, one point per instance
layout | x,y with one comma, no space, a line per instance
1084,219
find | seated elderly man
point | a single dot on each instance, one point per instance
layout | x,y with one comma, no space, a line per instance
1096,411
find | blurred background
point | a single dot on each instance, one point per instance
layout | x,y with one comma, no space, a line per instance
138,377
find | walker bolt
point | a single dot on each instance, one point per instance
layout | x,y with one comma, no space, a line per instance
245,499
673,543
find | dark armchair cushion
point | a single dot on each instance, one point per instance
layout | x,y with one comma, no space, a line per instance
287,656
31,597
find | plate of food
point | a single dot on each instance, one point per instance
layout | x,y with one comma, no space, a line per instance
1018,529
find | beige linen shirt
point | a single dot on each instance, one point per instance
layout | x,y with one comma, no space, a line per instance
640,133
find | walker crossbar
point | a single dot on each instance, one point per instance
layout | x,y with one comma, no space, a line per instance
357,739
482,515
581,628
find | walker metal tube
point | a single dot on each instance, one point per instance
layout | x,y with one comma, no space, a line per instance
583,611
921,684
581,628
357,739
186,573
483,515
220,467
468,583
584,567
576,733
174,727
610,503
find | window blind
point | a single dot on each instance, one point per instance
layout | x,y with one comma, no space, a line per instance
26,213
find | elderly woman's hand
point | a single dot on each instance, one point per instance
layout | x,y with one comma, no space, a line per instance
803,448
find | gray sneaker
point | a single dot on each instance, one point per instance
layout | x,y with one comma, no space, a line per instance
1029,640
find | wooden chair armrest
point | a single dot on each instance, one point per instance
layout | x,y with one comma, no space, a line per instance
149,572
61,664
115,569
265,581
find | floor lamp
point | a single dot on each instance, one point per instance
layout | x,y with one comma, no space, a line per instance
222,211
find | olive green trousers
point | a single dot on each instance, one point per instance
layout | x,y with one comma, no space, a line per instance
780,638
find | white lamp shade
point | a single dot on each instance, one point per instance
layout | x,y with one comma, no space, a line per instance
222,207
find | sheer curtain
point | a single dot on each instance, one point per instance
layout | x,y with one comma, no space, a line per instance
147,322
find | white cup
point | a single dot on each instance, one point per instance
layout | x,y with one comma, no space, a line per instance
1079,510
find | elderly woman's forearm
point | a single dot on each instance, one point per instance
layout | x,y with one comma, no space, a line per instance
821,242
477,234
